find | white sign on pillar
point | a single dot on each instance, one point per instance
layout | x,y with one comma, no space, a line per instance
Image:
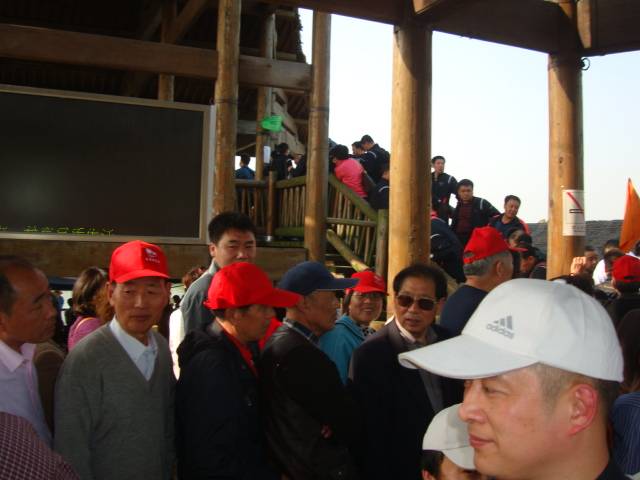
573,223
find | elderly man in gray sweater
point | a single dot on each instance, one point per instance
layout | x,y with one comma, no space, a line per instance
114,396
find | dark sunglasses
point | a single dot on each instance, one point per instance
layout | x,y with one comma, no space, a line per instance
423,303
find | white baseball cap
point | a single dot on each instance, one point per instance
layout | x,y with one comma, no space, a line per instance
523,322
449,435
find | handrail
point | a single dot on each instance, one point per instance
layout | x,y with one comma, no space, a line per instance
354,198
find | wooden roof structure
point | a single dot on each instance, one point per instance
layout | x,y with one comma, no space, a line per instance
116,48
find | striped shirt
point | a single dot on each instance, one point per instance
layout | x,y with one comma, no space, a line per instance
625,416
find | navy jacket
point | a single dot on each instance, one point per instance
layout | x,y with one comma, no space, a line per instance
218,426
394,404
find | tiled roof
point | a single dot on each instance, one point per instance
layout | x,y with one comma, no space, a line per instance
598,232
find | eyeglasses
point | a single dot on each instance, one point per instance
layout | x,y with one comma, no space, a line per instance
369,295
423,303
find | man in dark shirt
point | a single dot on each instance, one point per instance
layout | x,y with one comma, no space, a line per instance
471,212
310,420
244,172
380,154
487,264
443,186
508,221
626,280
372,164
532,262
446,250
379,196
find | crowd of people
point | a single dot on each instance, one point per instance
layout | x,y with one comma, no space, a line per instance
506,377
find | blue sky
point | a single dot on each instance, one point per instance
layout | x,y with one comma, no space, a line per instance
490,113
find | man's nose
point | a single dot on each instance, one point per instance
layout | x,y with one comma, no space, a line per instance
469,409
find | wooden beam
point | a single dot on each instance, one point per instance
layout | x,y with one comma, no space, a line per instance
166,82
531,24
385,11
189,15
410,185
565,154
264,106
255,52
317,166
226,101
73,48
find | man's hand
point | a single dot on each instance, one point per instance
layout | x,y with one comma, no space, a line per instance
578,265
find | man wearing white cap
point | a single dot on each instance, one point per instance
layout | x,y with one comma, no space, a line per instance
542,364
447,454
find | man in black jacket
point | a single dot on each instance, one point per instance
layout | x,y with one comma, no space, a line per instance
310,420
375,155
219,431
397,403
443,186
471,212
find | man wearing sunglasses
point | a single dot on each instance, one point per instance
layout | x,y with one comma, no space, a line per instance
397,404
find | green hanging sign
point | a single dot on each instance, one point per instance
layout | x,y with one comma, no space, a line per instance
272,123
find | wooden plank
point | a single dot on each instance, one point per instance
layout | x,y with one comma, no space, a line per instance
264,104
73,48
289,232
226,101
189,15
349,221
353,197
166,83
382,243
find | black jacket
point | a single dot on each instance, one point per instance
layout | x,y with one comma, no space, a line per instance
441,191
394,404
481,213
373,164
218,427
301,393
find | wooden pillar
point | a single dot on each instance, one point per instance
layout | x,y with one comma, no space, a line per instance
410,182
226,100
166,82
565,149
265,94
315,218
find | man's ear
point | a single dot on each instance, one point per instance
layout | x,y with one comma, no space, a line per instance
427,476
584,401
440,305
212,250
111,287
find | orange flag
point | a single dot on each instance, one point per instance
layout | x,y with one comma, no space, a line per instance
630,232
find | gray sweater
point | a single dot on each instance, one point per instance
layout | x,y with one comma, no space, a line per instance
110,422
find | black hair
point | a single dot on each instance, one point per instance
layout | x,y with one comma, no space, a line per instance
282,147
86,289
225,221
340,152
629,335
529,251
366,139
525,238
465,182
438,157
245,159
580,281
385,167
431,460
589,248
512,197
611,243
357,144
7,292
421,270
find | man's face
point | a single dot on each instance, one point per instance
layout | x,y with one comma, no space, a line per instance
511,208
32,316
438,166
367,145
527,264
365,307
512,430
590,261
465,193
321,311
234,246
413,318
139,304
251,324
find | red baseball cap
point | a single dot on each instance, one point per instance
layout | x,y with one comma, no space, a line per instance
368,282
484,242
137,259
242,284
626,269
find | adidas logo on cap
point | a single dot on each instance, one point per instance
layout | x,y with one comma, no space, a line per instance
503,326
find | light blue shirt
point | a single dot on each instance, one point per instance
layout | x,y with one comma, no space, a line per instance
143,356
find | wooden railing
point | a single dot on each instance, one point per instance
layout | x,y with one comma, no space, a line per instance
354,229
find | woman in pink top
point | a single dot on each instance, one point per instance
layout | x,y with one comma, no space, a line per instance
348,170
88,288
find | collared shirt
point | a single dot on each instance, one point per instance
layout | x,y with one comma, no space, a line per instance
25,456
19,387
143,356
302,330
430,381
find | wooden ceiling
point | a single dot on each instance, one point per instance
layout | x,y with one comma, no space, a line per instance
603,27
